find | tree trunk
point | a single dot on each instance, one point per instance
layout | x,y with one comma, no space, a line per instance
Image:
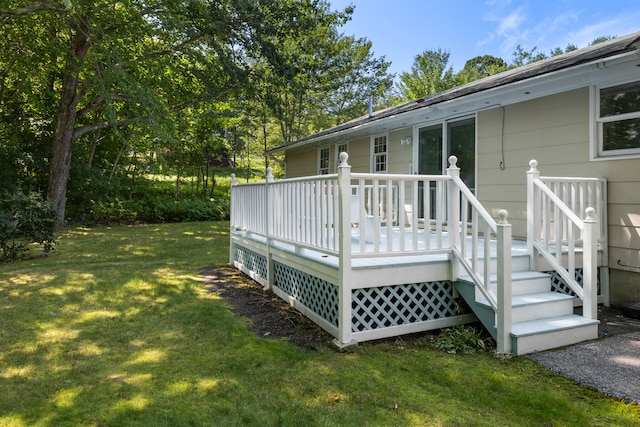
63,138
61,160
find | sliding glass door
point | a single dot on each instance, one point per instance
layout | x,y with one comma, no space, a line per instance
437,142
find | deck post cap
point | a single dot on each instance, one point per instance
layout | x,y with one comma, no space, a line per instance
343,158
503,214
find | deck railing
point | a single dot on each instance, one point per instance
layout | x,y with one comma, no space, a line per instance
557,232
472,229
396,214
384,214
300,211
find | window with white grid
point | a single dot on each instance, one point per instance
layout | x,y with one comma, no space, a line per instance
323,161
379,153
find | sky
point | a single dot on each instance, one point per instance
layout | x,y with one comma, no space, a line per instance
402,29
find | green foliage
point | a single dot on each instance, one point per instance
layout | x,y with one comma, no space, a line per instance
25,219
169,82
480,67
118,329
155,209
166,210
461,339
429,75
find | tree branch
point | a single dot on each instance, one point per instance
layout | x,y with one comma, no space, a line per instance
6,14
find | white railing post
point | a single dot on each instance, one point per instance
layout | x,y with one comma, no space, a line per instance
232,218
590,268
453,217
533,210
344,264
504,319
268,226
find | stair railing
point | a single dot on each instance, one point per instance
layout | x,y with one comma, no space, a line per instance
471,232
558,234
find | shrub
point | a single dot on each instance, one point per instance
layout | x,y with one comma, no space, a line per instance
460,339
157,209
25,219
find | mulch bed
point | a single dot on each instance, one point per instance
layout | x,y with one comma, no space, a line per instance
269,315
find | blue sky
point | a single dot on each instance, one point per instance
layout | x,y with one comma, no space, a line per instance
401,29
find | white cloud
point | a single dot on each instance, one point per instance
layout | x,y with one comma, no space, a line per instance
510,24
616,26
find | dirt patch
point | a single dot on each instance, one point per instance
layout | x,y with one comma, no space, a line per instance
270,316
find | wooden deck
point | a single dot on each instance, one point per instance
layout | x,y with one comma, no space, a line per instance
351,252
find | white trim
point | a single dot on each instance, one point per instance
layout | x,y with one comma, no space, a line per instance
596,138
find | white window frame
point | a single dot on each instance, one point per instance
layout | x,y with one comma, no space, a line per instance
597,135
374,156
323,168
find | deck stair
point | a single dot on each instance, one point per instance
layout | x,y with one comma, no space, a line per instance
542,319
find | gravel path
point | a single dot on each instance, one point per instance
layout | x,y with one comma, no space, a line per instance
611,364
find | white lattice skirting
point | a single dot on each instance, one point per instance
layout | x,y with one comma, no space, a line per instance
559,285
372,309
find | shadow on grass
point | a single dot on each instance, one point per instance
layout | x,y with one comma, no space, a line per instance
117,329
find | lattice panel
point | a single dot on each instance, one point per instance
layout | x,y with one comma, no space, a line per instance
375,308
317,294
253,261
559,285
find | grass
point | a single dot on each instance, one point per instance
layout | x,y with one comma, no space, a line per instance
116,329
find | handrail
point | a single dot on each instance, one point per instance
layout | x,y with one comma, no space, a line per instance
543,246
476,203
480,279
554,225
467,254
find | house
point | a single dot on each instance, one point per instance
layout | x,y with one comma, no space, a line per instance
367,242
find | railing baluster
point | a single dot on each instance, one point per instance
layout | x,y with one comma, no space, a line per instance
376,215
401,215
556,224
389,214
438,209
414,214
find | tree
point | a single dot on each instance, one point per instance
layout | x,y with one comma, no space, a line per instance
479,68
429,75
559,51
523,57
330,79
113,64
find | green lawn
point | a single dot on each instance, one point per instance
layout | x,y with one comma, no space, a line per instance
116,329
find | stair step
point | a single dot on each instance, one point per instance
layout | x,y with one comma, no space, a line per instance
519,262
515,276
532,299
553,332
550,324
539,305
522,282
539,298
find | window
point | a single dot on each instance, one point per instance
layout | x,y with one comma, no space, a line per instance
618,120
323,161
379,158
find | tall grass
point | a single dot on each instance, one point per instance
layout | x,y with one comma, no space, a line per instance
116,329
